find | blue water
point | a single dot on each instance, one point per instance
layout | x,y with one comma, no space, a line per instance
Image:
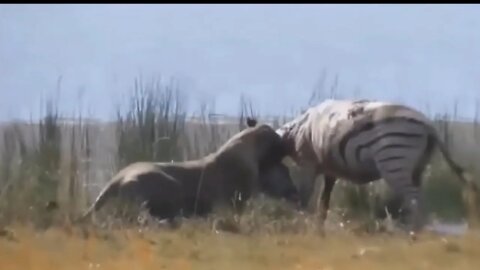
448,228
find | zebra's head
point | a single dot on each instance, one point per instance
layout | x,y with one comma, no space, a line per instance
290,131
289,127
285,130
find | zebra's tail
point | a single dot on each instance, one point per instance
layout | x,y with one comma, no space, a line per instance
466,179
105,194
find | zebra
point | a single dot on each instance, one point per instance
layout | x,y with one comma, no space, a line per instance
363,141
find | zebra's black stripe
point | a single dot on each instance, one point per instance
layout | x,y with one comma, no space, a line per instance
392,158
383,136
367,127
394,145
395,170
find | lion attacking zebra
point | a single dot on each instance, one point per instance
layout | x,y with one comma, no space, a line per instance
249,162
363,141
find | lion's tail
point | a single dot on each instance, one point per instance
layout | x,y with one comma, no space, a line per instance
110,190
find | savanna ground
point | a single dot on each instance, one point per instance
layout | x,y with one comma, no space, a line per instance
67,162
196,248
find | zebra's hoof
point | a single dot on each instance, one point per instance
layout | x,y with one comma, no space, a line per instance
412,236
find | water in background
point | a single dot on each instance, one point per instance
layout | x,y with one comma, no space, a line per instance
448,228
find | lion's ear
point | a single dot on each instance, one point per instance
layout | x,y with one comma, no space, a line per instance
251,122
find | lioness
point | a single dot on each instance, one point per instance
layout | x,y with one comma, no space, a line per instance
249,162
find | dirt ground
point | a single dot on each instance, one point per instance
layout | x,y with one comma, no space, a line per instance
23,248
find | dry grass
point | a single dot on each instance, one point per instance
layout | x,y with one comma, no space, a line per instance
194,248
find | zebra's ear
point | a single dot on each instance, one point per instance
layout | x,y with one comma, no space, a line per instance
251,122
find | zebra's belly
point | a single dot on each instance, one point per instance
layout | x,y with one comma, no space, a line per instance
363,176
361,172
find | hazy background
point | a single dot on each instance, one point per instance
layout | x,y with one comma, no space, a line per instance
416,54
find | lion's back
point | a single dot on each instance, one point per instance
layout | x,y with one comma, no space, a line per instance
148,180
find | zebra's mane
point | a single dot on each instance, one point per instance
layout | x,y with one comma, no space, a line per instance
294,124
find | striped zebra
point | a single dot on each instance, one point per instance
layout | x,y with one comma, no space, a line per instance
364,141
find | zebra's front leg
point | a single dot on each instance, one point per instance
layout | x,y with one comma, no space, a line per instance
307,184
329,183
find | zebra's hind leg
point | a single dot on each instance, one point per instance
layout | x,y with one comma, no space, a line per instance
406,184
413,202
